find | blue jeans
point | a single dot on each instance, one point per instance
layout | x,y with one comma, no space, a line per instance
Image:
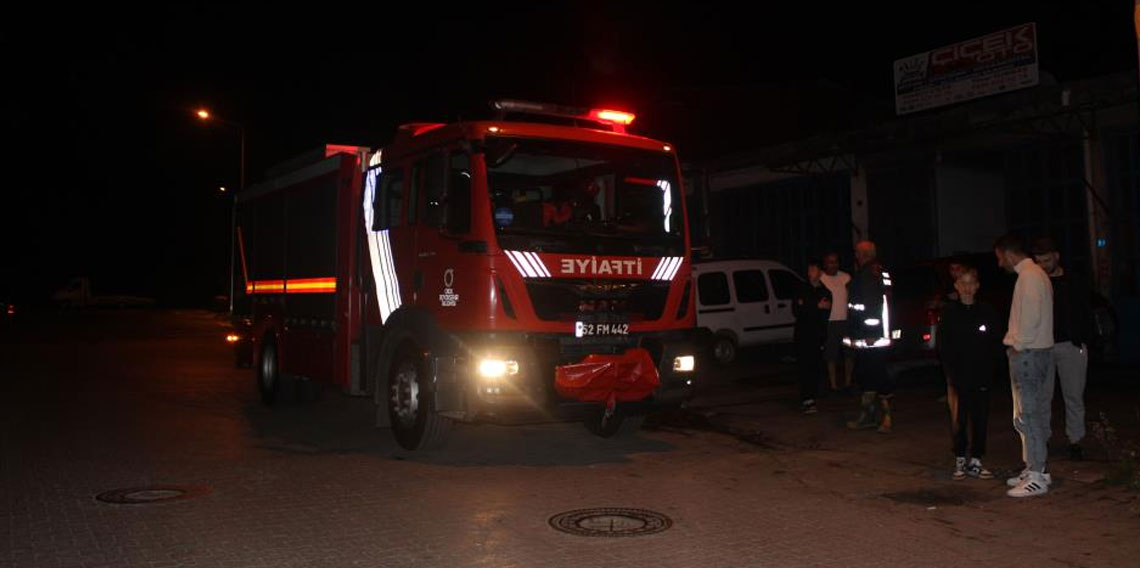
1031,379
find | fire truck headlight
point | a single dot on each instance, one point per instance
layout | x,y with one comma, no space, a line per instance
497,368
684,364
233,338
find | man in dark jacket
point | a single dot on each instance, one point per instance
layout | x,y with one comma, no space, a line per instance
869,336
812,308
969,344
1072,334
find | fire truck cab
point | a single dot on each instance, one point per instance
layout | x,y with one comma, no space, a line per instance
477,270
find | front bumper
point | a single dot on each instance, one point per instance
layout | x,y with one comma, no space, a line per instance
463,392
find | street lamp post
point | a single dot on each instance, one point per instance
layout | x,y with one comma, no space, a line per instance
206,116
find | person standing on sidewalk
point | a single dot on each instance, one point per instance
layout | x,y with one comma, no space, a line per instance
836,282
1072,332
968,346
869,336
812,307
1029,342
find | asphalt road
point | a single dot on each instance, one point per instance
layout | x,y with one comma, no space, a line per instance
92,402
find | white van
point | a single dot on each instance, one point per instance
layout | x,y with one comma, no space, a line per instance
745,302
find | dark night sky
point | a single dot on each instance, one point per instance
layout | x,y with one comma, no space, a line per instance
112,176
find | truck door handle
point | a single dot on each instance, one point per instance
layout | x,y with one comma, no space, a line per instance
767,309
782,305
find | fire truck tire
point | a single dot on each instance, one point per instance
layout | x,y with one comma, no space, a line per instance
724,348
411,404
617,426
272,385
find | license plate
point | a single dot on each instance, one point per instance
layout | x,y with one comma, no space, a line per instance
584,329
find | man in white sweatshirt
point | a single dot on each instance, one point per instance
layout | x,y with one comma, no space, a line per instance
836,281
1029,343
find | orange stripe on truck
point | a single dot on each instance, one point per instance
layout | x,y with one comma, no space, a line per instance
292,286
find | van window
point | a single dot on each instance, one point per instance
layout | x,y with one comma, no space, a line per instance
750,286
712,288
784,284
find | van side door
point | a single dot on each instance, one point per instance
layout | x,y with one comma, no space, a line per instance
785,284
754,313
715,309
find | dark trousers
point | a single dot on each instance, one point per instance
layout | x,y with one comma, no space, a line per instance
809,368
871,371
969,415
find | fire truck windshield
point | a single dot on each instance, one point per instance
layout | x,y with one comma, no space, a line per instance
571,197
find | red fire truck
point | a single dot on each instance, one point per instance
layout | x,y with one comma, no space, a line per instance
472,271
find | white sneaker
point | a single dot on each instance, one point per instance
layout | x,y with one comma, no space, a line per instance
1033,485
1015,481
977,470
959,469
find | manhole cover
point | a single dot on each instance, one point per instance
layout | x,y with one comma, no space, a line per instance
152,494
610,522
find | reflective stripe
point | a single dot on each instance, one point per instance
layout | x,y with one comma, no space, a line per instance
674,266
886,320
521,264
668,267
292,286
380,252
667,201
537,262
310,286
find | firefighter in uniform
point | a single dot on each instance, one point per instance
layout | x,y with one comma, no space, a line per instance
869,335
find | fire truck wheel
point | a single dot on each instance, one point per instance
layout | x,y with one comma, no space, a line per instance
272,385
414,420
617,425
724,349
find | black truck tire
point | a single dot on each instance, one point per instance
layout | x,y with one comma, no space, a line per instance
268,373
272,385
411,404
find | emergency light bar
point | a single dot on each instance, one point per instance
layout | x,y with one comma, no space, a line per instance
615,119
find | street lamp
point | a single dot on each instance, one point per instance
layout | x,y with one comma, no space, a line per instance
205,115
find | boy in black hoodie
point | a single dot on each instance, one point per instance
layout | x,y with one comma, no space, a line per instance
969,340
812,307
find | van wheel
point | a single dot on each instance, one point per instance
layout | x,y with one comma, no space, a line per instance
724,349
618,425
411,406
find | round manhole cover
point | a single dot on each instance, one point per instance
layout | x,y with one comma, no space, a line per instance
610,522
152,494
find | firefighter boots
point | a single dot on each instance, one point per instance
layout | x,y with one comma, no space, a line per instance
868,413
885,423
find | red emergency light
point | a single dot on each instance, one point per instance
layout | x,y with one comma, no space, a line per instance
615,119
612,116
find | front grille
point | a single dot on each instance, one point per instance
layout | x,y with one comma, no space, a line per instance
584,300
